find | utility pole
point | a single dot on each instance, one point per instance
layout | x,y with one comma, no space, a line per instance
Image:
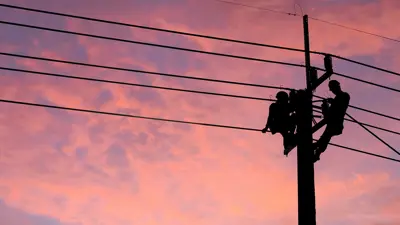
305,154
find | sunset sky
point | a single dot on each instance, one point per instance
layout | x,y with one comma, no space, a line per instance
72,168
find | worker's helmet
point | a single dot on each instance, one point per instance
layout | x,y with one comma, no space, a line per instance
282,96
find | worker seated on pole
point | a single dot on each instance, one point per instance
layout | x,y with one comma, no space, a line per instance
280,119
334,116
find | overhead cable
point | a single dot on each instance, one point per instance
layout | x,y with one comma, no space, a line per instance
171,75
313,18
367,110
366,65
152,72
133,84
149,44
153,28
361,80
166,88
355,29
170,120
368,125
373,134
202,35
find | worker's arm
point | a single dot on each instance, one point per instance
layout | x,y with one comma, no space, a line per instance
271,117
343,104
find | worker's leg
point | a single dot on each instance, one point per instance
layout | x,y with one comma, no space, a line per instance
292,124
286,139
322,143
290,143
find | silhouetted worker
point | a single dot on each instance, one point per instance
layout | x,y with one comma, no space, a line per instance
280,119
334,116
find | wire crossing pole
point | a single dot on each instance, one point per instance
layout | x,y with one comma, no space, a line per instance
305,164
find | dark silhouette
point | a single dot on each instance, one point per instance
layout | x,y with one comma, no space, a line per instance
334,116
281,119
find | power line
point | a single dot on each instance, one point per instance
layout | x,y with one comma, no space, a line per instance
313,18
194,34
373,134
149,44
153,28
363,152
379,114
367,82
355,29
132,84
124,115
210,53
366,110
366,65
170,75
324,21
363,81
366,124
170,120
156,73
375,127
259,8
192,50
165,88
142,71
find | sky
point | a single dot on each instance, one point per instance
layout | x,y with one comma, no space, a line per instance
73,168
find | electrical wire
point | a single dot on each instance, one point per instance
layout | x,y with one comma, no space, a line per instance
149,44
354,29
375,127
255,7
169,120
197,51
193,50
376,113
324,21
366,124
173,75
197,35
366,65
367,82
373,134
124,115
313,18
363,152
156,73
154,29
167,88
142,71
360,80
132,84
366,110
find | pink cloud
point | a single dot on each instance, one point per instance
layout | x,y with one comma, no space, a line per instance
140,172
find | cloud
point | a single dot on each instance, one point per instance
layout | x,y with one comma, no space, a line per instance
116,156
13,216
91,169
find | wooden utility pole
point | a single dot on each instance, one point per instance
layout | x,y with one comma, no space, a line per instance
305,154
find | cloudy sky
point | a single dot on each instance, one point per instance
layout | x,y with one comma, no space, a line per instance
72,168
